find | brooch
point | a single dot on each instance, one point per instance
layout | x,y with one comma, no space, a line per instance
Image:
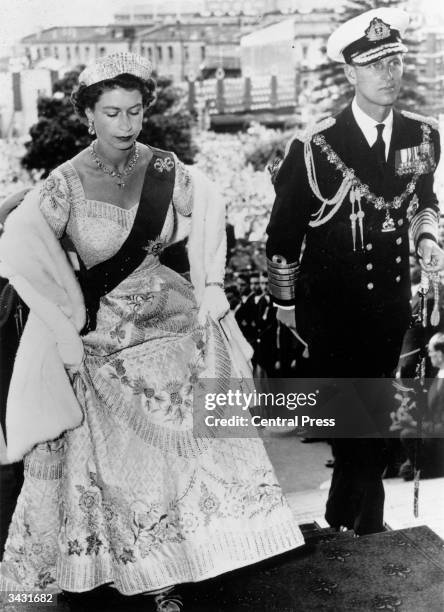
154,247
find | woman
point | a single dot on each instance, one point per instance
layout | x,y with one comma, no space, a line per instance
138,492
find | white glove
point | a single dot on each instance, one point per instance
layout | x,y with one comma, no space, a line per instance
214,304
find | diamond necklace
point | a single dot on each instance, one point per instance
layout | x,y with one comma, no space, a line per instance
114,173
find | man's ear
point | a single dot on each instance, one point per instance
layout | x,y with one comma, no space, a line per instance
350,74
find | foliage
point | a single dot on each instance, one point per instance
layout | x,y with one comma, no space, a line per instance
248,193
13,177
333,90
264,145
168,124
59,134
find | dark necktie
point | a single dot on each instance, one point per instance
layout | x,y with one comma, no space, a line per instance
379,147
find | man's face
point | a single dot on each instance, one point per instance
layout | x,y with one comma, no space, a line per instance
255,285
436,357
243,286
377,84
264,284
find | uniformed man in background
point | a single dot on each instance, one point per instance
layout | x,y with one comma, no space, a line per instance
351,189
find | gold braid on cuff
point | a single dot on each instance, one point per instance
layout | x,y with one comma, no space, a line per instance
282,277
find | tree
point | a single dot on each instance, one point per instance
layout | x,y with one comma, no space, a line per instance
59,134
334,92
168,124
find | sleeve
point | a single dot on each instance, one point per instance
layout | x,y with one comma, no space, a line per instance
55,202
288,225
183,190
424,223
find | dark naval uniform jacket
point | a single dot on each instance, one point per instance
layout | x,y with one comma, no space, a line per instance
350,280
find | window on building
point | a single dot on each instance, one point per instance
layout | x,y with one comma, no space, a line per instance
56,52
86,53
159,53
170,52
304,51
202,52
77,51
68,53
186,52
102,51
142,51
45,51
150,53
39,53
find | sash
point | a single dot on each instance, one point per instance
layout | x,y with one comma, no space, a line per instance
157,192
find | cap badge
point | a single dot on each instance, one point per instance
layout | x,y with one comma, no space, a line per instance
377,30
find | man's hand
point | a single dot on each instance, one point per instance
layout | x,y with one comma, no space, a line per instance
287,317
431,256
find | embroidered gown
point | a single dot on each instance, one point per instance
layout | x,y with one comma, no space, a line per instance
131,497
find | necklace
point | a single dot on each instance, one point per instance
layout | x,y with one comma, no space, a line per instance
114,173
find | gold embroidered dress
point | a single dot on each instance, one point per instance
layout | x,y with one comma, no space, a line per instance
131,497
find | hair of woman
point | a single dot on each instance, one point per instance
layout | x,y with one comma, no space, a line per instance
87,96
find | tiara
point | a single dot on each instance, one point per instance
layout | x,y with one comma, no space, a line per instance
112,65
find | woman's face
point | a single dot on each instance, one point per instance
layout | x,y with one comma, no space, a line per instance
117,117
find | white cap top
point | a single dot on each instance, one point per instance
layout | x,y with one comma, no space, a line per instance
369,37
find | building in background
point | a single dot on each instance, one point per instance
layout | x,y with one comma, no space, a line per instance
195,48
432,69
296,43
76,45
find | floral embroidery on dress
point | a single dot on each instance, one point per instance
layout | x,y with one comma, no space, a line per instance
325,586
386,602
119,372
209,504
74,547
127,556
44,579
93,544
337,555
118,333
396,569
52,190
174,401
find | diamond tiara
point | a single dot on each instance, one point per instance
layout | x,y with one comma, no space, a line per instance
112,65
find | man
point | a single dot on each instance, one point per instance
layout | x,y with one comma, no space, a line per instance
351,188
246,312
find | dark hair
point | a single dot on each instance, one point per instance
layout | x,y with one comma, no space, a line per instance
86,96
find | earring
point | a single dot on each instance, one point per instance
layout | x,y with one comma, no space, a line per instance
91,129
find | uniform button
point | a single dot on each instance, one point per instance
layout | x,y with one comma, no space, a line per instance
370,286
369,266
369,246
401,222
398,279
398,259
399,240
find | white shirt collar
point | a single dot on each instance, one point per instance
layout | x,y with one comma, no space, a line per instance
367,126
440,373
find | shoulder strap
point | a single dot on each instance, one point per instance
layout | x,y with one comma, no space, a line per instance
157,192
434,123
